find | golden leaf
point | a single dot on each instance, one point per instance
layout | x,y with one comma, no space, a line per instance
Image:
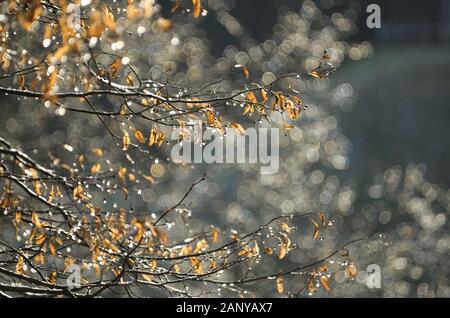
28,16
314,74
132,177
125,140
316,230
115,66
288,126
197,4
252,97
40,239
153,136
35,219
248,108
264,95
175,6
125,192
52,248
237,127
108,19
325,282
130,80
139,136
284,245
211,118
96,168
322,219
148,277
21,82
286,227
164,24
52,278
149,178
133,12
280,286
139,230
18,217
214,235
351,270
19,265
98,152
311,285
122,172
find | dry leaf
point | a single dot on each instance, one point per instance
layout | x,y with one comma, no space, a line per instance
97,151
115,66
311,285
280,286
21,82
153,136
197,4
52,278
325,282
214,235
19,265
36,221
126,140
164,24
252,97
96,168
238,128
139,136
351,270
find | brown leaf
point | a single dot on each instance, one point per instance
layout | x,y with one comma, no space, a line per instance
153,136
21,82
108,19
325,282
280,286
264,95
197,4
164,24
19,265
139,136
252,97
115,66
311,285
351,270
238,128
98,152
316,229
96,168
125,140
36,221
214,235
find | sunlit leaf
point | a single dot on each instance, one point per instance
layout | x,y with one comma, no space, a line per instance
280,285
197,7
238,128
325,282
139,136
125,140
